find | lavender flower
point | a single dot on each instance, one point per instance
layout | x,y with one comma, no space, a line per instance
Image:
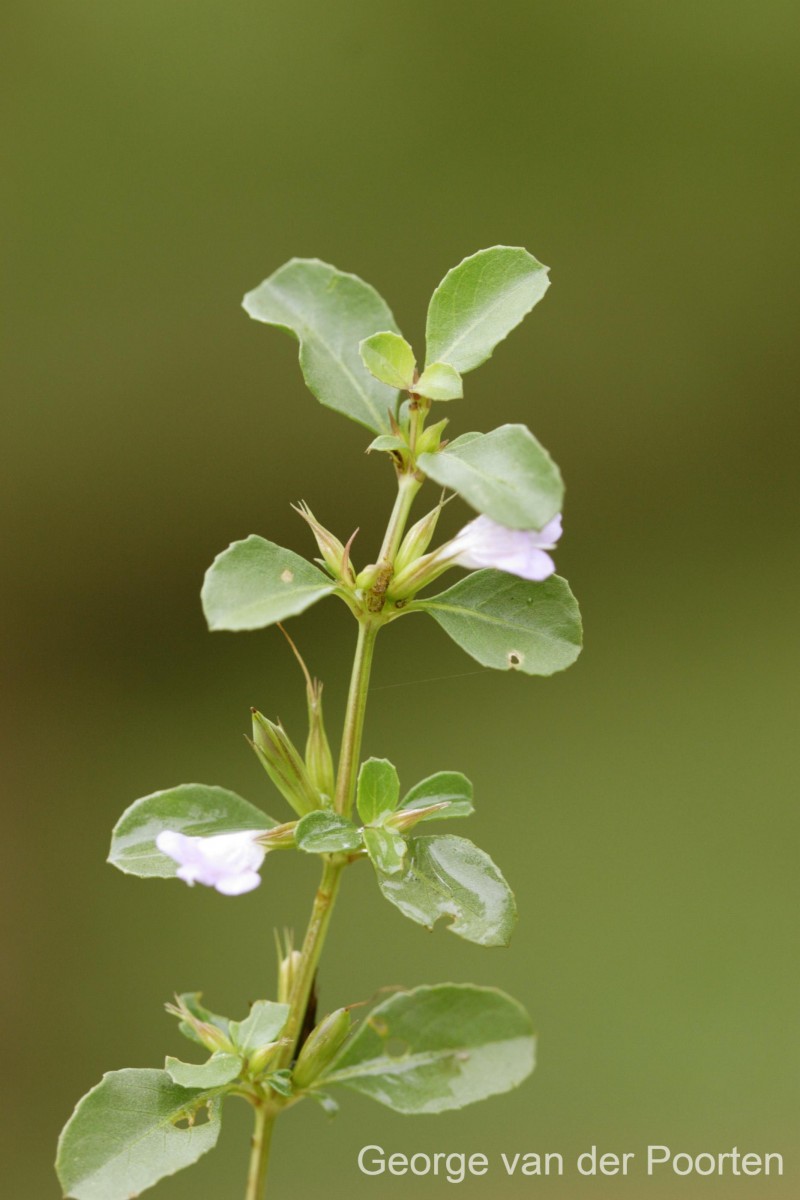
484,543
228,862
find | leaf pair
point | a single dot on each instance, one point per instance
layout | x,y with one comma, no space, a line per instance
331,313
423,1051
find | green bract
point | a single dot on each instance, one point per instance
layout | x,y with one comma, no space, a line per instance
131,1130
437,1048
329,312
479,302
510,623
256,583
446,876
193,809
505,474
216,1072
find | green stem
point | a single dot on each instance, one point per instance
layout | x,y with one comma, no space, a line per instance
259,1154
407,488
354,717
310,955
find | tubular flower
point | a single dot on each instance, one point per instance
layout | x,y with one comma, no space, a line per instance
523,552
228,862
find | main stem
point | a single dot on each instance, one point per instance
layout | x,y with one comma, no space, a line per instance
349,758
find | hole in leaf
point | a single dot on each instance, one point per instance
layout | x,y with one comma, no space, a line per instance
515,658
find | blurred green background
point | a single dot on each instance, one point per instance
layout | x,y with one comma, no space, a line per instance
164,158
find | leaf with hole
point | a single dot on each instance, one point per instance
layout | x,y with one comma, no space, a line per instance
255,583
329,312
505,474
134,1128
193,809
479,302
510,623
446,876
437,1048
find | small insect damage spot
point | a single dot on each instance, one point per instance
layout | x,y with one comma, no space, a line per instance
194,1117
515,659
396,1047
287,576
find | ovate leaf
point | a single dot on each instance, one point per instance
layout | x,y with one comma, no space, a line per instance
387,850
378,790
440,381
438,1048
219,1070
263,1024
510,623
446,876
329,312
505,474
255,583
479,302
193,809
446,787
133,1129
389,358
325,832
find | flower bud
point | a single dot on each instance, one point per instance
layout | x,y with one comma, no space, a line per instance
429,440
280,837
259,1060
405,819
205,1032
320,1047
283,764
287,970
334,554
418,574
417,540
319,760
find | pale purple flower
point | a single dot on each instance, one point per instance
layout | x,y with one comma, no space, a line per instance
523,552
228,862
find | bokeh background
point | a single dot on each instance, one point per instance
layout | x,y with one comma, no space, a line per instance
164,158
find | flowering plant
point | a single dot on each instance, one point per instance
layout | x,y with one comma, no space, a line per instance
459,1043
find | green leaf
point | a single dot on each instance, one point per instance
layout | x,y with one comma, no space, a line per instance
438,1048
388,442
446,787
329,312
219,1070
263,1024
255,583
505,474
280,1081
479,302
192,809
510,623
448,876
386,848
125,1135
378,790
440,381
389,358
325,832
